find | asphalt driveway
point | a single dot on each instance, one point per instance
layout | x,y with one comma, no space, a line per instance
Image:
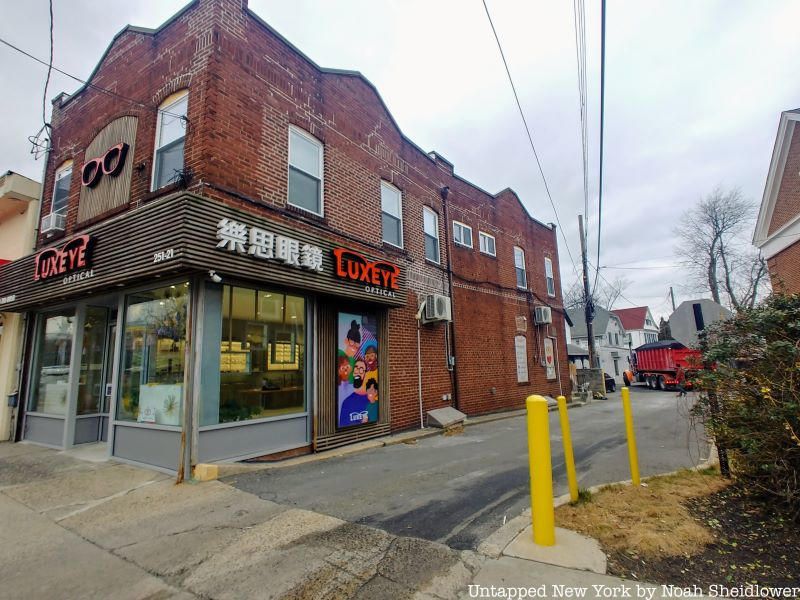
459,489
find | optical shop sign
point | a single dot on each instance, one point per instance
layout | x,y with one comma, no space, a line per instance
259,243
72,261
379,277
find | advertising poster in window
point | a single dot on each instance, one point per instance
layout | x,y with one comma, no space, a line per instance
549,357
357,369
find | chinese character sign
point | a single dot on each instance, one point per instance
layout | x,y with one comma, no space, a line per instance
237,237
357,369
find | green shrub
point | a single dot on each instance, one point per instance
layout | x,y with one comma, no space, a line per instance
756,377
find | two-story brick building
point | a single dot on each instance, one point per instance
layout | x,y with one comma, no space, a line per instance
241,254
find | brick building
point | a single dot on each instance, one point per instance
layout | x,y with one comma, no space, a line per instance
236,243
777,232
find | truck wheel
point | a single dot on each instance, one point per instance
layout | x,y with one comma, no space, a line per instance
650,383
625,380
662,385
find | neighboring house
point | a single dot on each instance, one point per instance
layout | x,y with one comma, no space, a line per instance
777,232
692,316
235,247
639,325
610,337
19,206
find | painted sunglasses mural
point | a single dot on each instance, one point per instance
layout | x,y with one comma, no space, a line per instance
357,369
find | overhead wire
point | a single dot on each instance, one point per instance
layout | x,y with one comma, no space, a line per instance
602,126
530,136
579,23
88,84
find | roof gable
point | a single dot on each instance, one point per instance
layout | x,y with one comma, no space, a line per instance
780,152
632,318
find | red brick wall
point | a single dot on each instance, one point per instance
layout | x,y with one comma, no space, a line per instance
246,86
784,270
787,205
487,303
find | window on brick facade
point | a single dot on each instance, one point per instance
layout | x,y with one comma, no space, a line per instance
486,242
519,267
170,138
462,234
430,225
61,188
392,214
305,171
548,275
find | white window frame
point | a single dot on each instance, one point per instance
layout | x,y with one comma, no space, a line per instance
168,103
520,252
61,172
390,187
549,279
483,235
321,146
462,226
438,260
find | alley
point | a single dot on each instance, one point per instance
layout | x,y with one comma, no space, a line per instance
459,489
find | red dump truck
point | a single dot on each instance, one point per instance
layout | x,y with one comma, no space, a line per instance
657,364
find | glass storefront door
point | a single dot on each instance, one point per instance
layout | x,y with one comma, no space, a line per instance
97,350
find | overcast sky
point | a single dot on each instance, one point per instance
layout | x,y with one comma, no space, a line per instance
694,90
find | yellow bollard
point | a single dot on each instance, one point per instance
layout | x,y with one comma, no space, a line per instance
543,517
569,458
633,456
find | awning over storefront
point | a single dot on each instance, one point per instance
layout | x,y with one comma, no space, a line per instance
189,233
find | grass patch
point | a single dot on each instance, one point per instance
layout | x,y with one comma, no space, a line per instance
650,521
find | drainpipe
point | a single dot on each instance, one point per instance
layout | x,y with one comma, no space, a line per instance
445,192
419,364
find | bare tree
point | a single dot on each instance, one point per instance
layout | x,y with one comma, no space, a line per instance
605,293
715,251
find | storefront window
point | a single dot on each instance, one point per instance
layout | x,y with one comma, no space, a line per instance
262,354
151,389
90,381
50,385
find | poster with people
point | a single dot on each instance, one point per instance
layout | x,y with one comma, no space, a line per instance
357,369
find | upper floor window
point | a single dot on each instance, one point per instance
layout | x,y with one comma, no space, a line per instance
170,138
305,171
61,188
430,222
462,234
519,267
548,275
392,214
486,242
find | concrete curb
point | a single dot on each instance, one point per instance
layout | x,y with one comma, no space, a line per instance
223,469
496,542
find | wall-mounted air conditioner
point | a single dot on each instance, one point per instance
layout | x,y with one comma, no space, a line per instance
53,223
437,308
542,315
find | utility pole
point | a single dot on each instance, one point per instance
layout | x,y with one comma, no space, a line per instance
672,295
588,303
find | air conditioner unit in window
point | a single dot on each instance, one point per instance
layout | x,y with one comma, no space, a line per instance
542,315
437,308
53,222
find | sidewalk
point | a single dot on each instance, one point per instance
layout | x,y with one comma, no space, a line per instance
100,530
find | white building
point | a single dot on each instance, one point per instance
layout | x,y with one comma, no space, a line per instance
610,337
639,325
692,316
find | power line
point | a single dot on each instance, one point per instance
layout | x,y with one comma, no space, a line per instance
641,268
602,122
49,70
579,14
530,137
86,83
